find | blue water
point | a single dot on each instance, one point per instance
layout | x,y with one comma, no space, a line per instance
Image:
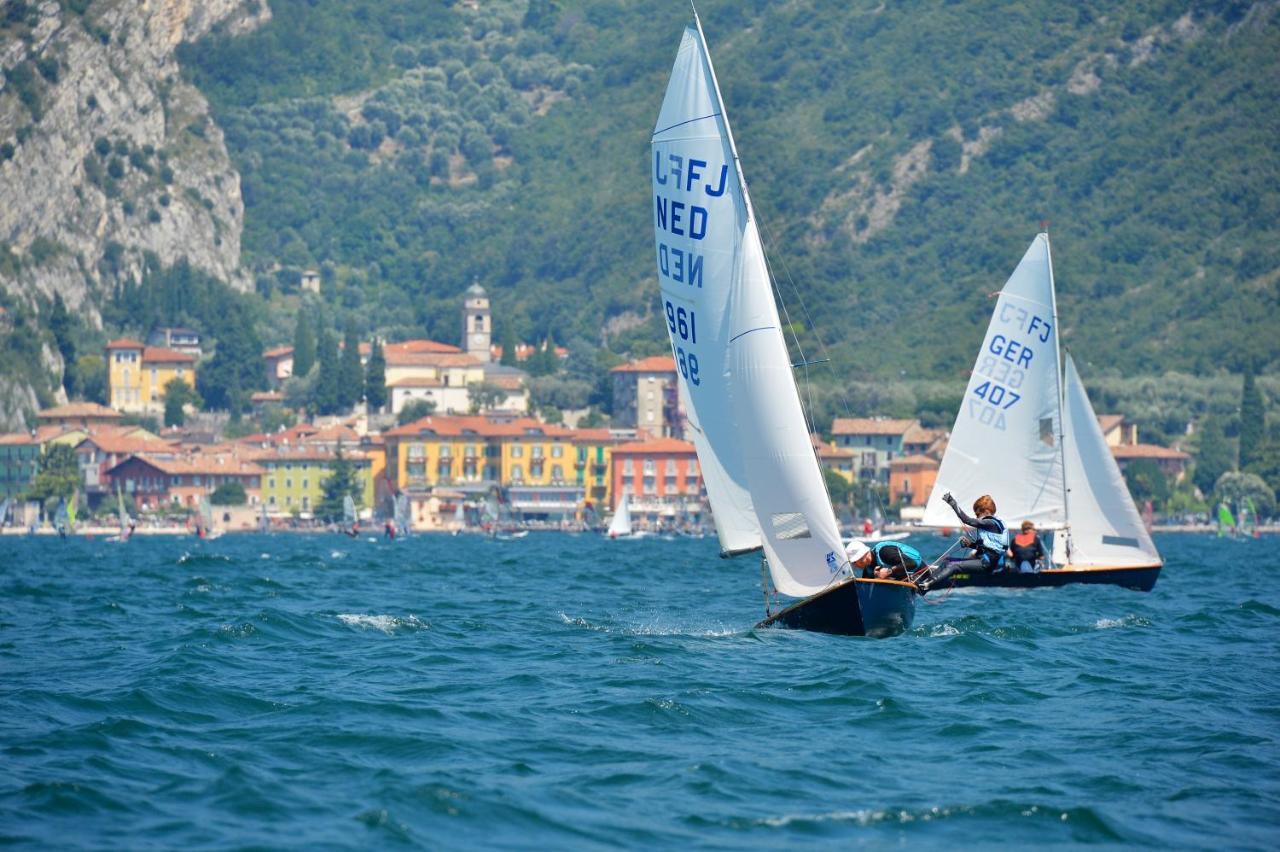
564,691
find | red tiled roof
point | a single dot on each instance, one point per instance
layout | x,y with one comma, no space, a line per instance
1109,421
201,464
912,461
418,347
78,409
1147,451
453,425
655,445
431,359
652,364
13,439
122,444
125,343
870,426
160,355
417,382
278,352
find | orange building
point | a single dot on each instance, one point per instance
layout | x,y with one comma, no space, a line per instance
911,479
662,478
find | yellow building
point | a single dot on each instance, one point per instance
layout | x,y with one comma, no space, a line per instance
137,374
294,478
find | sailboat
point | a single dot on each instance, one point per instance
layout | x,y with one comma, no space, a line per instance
205,523
122,518
349,521
1027,435
620,523
1226,521
4,511
402,514
264,522
63,517
735,377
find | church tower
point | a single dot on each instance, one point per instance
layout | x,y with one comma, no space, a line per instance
477,324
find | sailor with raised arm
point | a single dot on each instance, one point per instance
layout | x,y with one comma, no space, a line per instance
988,538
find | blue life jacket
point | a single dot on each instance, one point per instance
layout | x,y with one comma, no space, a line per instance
993,545
907,551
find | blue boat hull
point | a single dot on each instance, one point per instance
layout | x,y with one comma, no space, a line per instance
856,607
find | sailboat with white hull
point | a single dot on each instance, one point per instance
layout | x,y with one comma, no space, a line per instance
1027,435
735,380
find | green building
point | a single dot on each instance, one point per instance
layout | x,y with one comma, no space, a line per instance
294,480
19,460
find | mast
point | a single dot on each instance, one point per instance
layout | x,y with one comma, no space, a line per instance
1062,427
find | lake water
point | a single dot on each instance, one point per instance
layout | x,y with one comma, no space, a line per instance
563,691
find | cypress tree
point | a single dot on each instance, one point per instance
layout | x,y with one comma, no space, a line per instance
375,378
1253,422
304,345
508,345
351,374
1213,457
328,396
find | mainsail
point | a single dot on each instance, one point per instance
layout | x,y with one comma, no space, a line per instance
1226,521
749,429
402,514
121,515
1105,528
621,523
348,511
1005,441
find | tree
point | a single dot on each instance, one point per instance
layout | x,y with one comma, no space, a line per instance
304,345
229,494
1234,487
60,323
485,395
225,382
350,373
375,377
177,395
1253,422
91,373
838,487
1213,457
415,409
58,474
1146,481
509,345
328,395
341,482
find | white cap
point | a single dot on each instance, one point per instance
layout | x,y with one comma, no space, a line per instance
855,550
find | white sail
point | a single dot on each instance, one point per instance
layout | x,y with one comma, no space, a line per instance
735,371
1005,441
121,514
621,523
1105,527
348,510
402,513
700,214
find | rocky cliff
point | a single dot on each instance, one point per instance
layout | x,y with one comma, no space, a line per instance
106,153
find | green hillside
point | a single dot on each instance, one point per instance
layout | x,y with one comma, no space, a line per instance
900,155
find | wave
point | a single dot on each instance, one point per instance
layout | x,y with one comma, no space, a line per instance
388,624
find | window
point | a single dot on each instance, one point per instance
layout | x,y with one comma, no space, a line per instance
271,483
306,502
306,483
517,451
288,483
650,467
517,472
288,500
650,485
446,450
271,501
671,467
629,467
557,451
557,473
536,451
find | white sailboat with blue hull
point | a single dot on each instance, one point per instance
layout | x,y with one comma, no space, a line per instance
760,471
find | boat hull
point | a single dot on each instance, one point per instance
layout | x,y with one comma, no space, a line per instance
856,607
1140,578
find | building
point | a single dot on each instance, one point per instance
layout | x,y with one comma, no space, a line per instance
79,415
19,463
876,441
1117,431
593,456
137,375
477,324
155,481
279,365
102,450
662,478
294,478
1172,463
185,340
837,459
911,479
646,396
309,281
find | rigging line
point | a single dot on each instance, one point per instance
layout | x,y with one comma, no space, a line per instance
822,346
681,124
804,361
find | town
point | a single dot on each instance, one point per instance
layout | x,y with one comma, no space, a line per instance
456,434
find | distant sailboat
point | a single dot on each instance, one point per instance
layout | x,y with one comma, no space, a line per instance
122,518
734,371
62,517
205,527
350,525
1027,434
264,522
402,514
4,511
620,524
1251,528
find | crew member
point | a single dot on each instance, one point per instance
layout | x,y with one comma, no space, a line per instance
1027,549
389,529
355,529
885,560
988,538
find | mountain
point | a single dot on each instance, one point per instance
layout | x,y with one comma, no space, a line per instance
901,157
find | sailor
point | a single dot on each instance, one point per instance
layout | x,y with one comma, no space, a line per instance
989,540
885,560
355,529
389,529
1027,549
